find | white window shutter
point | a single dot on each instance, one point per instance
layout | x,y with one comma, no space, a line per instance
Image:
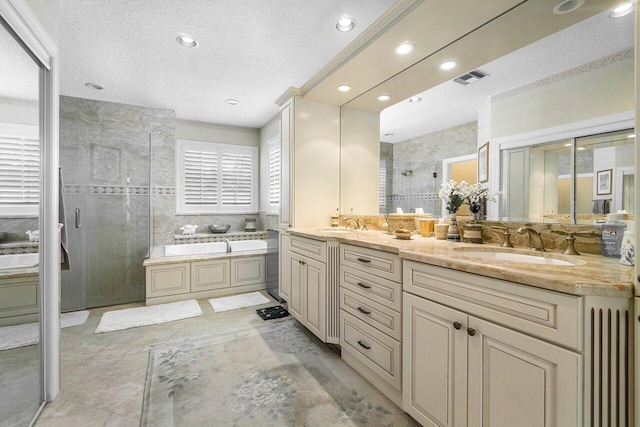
274,176
216,178
237,180
200,178
19,172
382,187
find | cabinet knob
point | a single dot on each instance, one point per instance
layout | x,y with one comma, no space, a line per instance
302,262
363,345
471,331
362,285
457,325
364,310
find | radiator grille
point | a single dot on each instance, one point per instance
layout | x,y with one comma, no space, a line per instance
609,368
333,294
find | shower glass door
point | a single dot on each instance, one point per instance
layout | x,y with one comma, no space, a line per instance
107,175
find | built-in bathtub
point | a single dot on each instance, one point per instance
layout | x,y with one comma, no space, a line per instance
215,247
19,261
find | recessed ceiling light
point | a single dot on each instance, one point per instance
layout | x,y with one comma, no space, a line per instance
93,86
622,10
389,134
344,88
568,144
186,41
231,101
448,65
404,48
633,135
384,97
415,99
580,148
567,6
345,24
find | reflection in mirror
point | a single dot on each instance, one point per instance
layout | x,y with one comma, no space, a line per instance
20,375
543,182
545,85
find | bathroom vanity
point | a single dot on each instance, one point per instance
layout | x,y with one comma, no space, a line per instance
456,337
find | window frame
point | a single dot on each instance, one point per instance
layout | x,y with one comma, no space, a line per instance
274,208
22,131
183,209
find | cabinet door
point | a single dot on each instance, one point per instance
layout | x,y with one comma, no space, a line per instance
517,380
285,271
208,275
314,296
248,270
296,296
435,363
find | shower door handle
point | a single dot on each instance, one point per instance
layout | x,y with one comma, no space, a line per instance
77,217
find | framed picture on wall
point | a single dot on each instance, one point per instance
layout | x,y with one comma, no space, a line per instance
483,163
604,183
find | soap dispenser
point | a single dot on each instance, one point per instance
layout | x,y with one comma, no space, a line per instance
628,250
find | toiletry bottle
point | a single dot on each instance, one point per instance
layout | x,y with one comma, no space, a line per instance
628,249
611,233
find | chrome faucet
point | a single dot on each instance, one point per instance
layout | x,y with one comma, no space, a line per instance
228,245
535,241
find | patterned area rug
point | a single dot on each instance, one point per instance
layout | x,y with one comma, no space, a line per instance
277,375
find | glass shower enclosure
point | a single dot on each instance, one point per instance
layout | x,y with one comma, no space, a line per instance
106,172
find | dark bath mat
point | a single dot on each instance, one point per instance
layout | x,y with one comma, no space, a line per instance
270,313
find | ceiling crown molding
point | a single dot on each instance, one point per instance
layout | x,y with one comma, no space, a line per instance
287,95
20,102
195,123
398,11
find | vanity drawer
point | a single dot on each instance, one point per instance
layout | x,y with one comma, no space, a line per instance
315,249
378,263
382,291
545,314
377,351
380,317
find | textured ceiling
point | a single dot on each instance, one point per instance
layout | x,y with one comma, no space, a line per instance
451,104
249,50
19,74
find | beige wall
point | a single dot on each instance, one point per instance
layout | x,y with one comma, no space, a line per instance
465,171
221,134
598,93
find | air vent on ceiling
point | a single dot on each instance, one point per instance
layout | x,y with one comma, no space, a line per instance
470,77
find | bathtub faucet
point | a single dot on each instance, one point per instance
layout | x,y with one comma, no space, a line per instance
228,245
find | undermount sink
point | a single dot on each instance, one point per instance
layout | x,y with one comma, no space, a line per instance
526,258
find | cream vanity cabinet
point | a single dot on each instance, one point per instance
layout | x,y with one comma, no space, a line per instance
309,161
167,282
371,318
485,352
19,298
310,269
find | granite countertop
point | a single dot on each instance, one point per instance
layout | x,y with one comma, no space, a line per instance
14,273
157,256
595,274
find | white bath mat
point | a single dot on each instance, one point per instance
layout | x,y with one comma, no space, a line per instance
238,301
144,316
28,333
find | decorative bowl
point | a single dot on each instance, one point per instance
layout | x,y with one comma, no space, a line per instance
219,228
403,234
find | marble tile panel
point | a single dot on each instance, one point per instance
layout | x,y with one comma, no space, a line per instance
79,110
155,120
119,116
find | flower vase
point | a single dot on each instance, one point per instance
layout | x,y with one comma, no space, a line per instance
453,234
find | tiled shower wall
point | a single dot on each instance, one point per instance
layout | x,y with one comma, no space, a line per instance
423,156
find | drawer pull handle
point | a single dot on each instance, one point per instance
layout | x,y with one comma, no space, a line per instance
363,345
362,285
364,310
366,261
457,325
471,331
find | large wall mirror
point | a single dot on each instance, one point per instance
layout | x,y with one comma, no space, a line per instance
561,106
21,375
